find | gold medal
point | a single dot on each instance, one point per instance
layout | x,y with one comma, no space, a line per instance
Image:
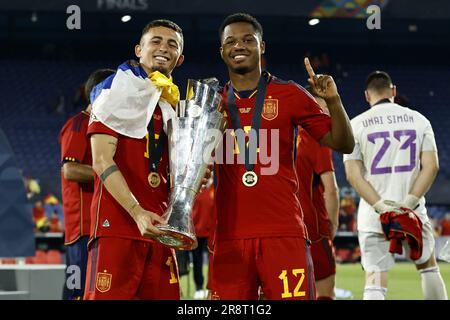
249,179
154,179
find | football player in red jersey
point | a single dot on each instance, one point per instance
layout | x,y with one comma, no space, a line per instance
319,197
77,182
131,182
260,236
203,216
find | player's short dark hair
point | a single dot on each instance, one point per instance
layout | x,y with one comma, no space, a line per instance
241,17
163,23
378,81
94,79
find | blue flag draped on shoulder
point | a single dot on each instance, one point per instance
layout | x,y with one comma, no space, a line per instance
126,100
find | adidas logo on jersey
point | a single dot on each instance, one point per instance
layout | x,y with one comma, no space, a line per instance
105,223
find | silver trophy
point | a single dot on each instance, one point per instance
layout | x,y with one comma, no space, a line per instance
193,135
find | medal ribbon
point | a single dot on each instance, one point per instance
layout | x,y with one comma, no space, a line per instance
256,119
170,90
155,150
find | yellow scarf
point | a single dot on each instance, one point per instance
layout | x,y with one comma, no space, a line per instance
170,90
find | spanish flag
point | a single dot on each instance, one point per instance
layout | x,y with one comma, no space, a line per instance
126,100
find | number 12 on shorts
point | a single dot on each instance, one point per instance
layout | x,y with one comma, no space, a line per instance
297,273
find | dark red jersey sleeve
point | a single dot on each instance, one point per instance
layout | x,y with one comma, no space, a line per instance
324,160
73,139
96,127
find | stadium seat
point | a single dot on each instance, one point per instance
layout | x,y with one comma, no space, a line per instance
54,257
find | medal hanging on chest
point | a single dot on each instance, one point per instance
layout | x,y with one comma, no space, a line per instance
156,150
249,178
154,180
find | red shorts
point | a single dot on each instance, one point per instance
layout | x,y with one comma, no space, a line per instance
281,266
323,257
128,269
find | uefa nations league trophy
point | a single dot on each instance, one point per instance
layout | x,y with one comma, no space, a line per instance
193,135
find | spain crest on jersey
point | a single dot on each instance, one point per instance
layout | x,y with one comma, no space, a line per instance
103,283
270,109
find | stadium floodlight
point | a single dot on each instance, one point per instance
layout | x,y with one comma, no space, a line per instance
34,17
125,18
412,28
313,22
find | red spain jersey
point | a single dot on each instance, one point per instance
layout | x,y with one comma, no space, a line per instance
270,208
312,161
445,224
109,218
203,213
77,197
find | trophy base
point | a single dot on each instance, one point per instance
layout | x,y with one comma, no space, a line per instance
177,239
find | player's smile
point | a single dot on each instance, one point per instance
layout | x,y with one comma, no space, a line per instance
239,57
160,59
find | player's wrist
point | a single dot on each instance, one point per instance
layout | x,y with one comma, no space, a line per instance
333,100
132,209
411,201
380,207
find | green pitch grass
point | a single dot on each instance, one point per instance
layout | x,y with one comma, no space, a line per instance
188,285
404,281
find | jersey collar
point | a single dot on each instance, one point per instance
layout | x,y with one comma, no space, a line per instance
248,94
385,100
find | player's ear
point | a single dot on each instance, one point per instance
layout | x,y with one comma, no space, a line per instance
180,61
263,47
221,52
137,50
394,91
366,94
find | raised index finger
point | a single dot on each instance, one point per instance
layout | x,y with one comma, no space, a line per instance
309,69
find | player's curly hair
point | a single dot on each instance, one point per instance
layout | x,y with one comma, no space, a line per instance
241,17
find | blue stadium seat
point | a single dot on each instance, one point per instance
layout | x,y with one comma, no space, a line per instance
31,94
